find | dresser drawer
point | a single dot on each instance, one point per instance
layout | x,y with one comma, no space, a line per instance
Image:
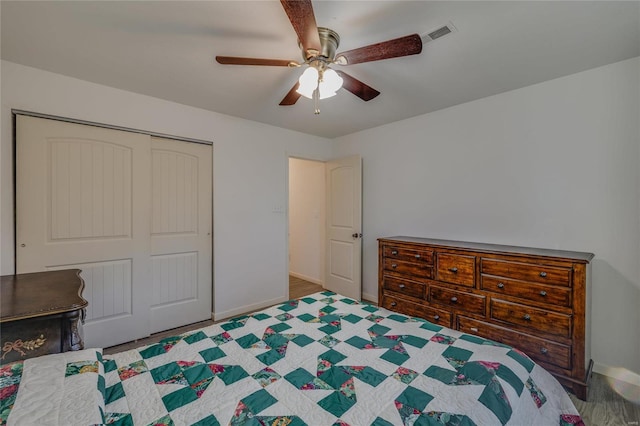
467,302
408,268
413,309
399,285
409,255
536,348
553,295
527,271
456,269
540,321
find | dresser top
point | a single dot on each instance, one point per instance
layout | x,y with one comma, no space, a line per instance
497,248
40,293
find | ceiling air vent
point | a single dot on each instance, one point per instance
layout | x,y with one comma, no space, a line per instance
438,33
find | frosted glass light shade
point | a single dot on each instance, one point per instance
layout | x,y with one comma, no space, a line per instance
308,82
327,87
330,83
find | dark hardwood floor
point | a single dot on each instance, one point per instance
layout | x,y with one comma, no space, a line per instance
299,288
606,406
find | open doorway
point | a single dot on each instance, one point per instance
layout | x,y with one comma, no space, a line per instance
307,223
325,224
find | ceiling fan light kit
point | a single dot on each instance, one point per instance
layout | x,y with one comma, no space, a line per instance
326,82
319,46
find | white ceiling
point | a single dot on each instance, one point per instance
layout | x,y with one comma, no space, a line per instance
166,49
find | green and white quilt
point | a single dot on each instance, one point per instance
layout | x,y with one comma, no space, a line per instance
60,389
328,360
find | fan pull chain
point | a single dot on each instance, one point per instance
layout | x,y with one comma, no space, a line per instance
316,99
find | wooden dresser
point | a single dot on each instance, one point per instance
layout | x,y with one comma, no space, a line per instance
41,313
536,300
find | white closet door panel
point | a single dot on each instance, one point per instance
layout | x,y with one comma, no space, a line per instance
175,278
108,288
181,242
90,186
83,201
175,193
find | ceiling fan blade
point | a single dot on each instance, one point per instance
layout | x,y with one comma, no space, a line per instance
403,46
291,97
358,88
300,13
232,60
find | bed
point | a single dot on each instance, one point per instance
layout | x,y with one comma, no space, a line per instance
320,360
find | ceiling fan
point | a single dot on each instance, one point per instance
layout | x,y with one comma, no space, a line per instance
319,45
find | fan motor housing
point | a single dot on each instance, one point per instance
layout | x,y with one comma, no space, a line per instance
329,42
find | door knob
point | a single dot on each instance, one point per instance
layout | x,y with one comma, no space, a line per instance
357,235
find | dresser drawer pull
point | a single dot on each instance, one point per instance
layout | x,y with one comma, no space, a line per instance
526,317
393,303
417,256
474,329
544,350
454,270
436,317
500,285
401,286
394,266
394,252
454,299
543,274
543,293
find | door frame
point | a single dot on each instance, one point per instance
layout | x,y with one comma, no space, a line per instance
288,156
15,112
320,159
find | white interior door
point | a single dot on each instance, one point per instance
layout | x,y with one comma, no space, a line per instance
344,226
181,244
132,212
83,202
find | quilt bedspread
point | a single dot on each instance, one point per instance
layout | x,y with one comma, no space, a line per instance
60,389
319,360
327,360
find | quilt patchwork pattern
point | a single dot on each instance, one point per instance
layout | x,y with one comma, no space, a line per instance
65,389
10,377
329,360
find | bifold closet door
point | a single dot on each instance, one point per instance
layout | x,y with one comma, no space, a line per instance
86,198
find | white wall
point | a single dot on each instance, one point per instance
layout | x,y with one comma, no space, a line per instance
306,219
249,175
552,165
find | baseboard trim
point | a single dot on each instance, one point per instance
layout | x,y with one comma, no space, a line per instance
218,316
306,278
618,373
370,297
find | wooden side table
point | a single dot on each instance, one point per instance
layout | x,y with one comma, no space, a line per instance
41,313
